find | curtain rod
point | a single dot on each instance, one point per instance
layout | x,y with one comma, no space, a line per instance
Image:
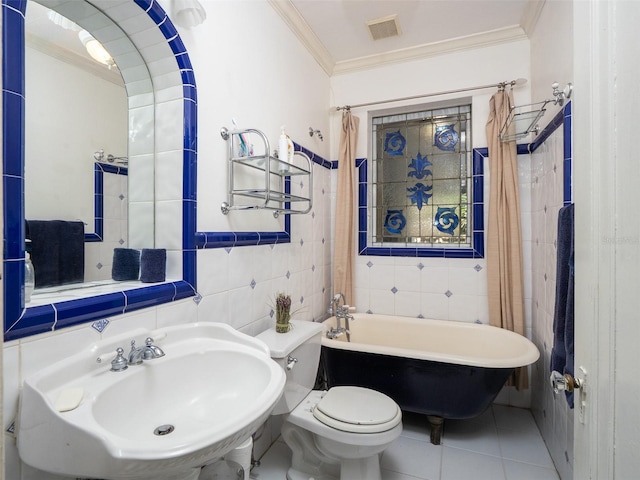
501,85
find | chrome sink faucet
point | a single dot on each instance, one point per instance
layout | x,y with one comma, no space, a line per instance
148,352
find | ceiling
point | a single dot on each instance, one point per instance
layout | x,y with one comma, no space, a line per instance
336,32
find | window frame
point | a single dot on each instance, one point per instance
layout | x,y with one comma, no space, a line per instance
366,202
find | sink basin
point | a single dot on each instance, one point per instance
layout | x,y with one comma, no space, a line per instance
162,419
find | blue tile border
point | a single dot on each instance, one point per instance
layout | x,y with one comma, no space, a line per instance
20,322
240,239
477,234
99,169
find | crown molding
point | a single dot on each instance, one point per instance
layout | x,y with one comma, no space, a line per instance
74,59
469,42
531,15
305,34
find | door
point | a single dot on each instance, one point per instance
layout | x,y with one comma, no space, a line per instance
607,258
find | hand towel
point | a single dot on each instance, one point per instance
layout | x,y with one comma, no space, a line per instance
126,264
563,319
153,265
57,251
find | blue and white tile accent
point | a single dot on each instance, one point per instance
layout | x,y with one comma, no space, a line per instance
20,321
100,325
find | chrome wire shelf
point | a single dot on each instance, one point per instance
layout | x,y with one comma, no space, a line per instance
276,171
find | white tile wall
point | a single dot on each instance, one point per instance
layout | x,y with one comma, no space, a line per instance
552,414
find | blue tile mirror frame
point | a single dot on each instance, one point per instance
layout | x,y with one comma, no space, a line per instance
18,320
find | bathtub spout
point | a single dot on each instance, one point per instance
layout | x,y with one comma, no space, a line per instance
334,333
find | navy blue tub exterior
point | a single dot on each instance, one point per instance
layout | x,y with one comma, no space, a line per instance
421,386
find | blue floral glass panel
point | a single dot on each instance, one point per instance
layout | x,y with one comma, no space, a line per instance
446,138
394,143
446,219
419,195
395,221
419,166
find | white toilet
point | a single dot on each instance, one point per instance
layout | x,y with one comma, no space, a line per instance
333,434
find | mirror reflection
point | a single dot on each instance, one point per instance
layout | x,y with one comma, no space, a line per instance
76,210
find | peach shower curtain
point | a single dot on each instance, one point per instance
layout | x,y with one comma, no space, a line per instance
504,235
345,231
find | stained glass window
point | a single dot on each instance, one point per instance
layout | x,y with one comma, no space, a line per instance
421,177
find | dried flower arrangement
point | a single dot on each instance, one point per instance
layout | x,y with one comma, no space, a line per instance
283,312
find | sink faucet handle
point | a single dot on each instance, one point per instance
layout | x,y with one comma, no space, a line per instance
119,363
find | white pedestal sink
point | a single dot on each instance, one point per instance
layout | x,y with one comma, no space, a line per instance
160,420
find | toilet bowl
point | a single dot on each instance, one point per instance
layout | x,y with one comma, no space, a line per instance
334,434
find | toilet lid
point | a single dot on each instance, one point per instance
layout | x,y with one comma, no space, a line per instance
358,410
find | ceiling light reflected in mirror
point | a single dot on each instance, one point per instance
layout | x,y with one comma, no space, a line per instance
95,49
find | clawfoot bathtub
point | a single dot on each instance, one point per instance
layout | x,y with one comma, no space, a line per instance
442,369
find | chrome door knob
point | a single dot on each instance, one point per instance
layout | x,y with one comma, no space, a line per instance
563,382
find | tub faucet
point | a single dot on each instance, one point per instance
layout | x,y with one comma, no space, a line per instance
340,312
148,352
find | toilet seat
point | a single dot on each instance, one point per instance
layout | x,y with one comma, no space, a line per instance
357,410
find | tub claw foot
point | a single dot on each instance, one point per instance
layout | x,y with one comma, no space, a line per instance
436,428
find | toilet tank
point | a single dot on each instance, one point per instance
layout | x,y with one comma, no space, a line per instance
301,343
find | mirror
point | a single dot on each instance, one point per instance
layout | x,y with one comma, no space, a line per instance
76,111
146,33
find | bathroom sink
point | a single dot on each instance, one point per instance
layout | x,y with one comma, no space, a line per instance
162,419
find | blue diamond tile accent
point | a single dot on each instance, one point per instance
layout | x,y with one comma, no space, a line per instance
301,185
477,268
323,289
369,264
323,240
197,298
420,266
323,191
271,313
369,312
478,321
394,290
301,299
313,268
121,197
288,274
545,277
272,246
100,325
448,293
227,249
301,242
313,214
545,209
252,284
121,241
99,266
420,316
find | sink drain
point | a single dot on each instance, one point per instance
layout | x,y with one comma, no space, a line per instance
164,430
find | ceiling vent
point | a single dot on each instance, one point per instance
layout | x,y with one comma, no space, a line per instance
384,27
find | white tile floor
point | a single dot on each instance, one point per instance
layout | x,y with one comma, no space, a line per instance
502,444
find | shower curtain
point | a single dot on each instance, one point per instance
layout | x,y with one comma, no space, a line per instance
504,235
344,249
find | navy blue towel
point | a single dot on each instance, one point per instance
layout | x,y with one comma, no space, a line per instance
57,251
153,265
563,319
126,264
